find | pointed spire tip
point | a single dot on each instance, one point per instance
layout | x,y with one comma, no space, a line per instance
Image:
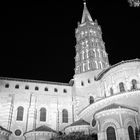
84,2
86,15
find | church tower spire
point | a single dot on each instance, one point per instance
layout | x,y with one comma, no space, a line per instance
86,15
90,49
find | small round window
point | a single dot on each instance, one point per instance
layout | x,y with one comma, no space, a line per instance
18,132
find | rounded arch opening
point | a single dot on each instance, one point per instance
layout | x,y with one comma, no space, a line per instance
91,99
20,111
65,116
111,134
43,114
134,84
121,87
131,133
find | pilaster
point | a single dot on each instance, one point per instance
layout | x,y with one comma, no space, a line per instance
101,136
31,116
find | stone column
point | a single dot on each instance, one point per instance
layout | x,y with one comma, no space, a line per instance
122,134
101,136
126,135
12,96
31,116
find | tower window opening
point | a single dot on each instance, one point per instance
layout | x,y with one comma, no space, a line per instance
86,33
121,87
78,37
83,44
100,65
80,56
86,42
134,84
36,88
96,64
82,34
83,55
99,53
93,65
6,85
91,100
17,86
88,66
90,53
95,52
77,58
81,68
91,32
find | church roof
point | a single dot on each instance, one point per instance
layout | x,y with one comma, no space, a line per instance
86,15
115,106
79,122
1,128
35,81
43,128
109,68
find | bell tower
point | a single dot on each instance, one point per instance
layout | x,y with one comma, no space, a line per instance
90,48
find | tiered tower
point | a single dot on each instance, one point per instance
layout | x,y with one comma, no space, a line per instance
90,49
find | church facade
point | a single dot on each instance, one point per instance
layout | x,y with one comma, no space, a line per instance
101,98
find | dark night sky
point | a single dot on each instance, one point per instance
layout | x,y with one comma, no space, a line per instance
38,38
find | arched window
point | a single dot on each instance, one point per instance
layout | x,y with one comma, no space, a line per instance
36,88
82,83
111,133
20,111
7,86
83,55
111,91
77,58
43,114
91,100
131,133
64,116
91,54
121,86
89,81
46,89
100,65
26,87
17,86
134,84
55,89
82,34
65,91
81,68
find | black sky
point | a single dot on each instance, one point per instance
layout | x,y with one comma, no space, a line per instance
38,38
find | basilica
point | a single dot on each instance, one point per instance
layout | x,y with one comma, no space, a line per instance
101,98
